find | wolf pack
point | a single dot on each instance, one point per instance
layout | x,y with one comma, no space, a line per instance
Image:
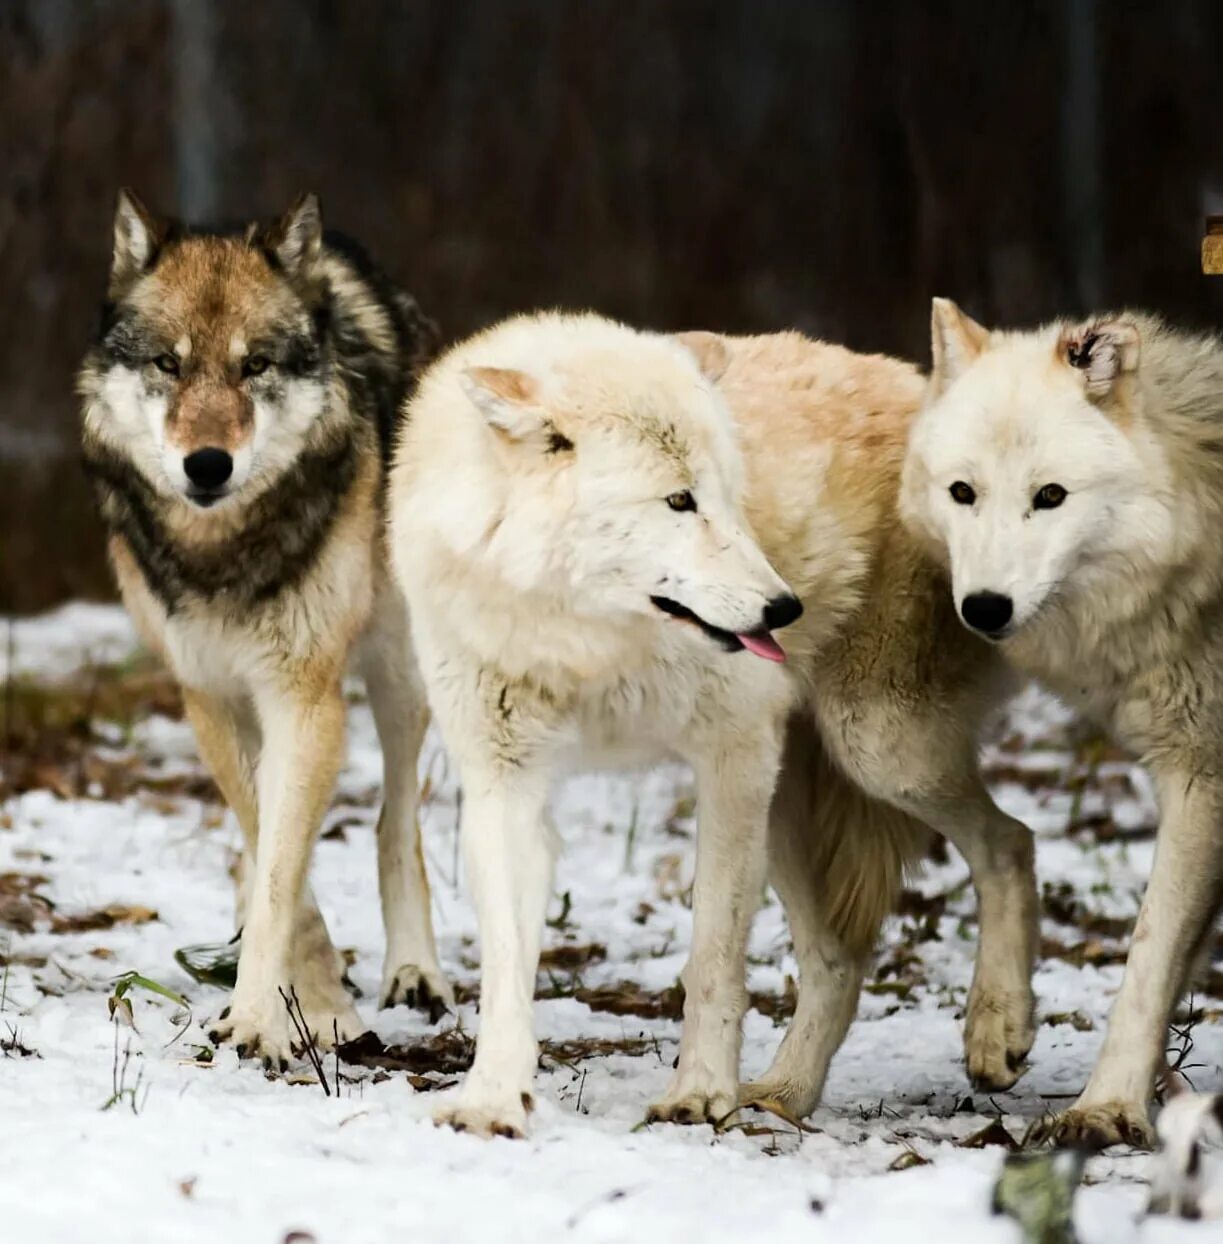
813,575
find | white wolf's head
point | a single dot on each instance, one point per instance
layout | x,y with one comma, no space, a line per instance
616,477
1023,466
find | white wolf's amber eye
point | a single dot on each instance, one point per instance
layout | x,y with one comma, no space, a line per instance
962,493
1049,497
684,502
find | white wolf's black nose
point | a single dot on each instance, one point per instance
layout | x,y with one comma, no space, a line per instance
988,612
208,468
781,611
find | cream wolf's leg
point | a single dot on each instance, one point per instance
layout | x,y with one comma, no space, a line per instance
1181,899
999,1026
734,787
507,853
228,739
811,804
302,725
411,975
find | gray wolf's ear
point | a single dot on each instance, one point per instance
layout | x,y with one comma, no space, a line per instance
709,349
955,341
297,237
1103,350
509,400
137,237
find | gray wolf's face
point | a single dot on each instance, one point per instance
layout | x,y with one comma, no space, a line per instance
209,372
633,485
1020,466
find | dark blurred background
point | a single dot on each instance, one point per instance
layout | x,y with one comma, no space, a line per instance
746,165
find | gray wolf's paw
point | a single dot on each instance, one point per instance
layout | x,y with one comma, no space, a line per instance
486,1117
998,1033
1095,1127
256,1031
692,1107
424,989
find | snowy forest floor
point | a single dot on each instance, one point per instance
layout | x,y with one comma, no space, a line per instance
114,852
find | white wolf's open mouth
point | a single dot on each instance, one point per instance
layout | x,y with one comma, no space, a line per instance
759,641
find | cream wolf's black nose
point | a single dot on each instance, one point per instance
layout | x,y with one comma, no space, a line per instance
987,611
781,611
208,468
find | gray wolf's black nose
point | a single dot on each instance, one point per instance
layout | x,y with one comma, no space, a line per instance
988,612
208,468
781,611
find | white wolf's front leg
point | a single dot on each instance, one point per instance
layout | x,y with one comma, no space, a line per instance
507,853
734,787
303,741
1182,897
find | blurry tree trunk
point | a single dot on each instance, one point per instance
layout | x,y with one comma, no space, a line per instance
1082,152
197,107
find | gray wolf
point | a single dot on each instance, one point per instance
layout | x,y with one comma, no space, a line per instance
598,530
238,408
1071,478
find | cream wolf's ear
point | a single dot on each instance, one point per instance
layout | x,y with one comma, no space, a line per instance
510,402
710,350
138,234
955,341
297,237
1103,350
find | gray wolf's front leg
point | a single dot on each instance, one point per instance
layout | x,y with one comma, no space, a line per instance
303,739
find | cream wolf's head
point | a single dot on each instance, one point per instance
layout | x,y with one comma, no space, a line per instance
209,369
619,477
1023,469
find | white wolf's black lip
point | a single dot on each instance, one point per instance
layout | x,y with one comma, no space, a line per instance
205,499
728,639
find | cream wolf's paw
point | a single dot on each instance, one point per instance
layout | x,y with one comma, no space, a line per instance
683,1105
1095,1127
327,1011
484,1116
999,1029
787,1099
424,989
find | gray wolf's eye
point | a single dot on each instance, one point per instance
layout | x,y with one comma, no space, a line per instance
255,365
684,502
962,493
167,363
1049,497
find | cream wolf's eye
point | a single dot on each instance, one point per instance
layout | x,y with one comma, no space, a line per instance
167,363
962,493
684,502
255,365
1049,497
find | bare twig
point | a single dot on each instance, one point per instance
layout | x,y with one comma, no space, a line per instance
309,1045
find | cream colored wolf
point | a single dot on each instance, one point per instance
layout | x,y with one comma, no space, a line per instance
592,525
1072,480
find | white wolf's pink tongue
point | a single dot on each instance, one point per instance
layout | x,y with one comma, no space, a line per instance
763,645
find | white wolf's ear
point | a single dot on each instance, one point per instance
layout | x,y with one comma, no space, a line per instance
510,402
955,341
297,237
137,237
710,350
1103,350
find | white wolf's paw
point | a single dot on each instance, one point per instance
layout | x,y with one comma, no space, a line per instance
256,1030
999,1029
1095,1127
485,1116
328,1014
787,1099
684,1104
424,989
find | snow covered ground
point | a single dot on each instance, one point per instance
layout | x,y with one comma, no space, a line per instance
113,853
